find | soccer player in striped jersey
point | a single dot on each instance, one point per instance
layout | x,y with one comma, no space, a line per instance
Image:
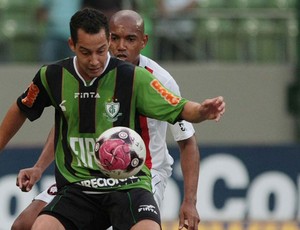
211,109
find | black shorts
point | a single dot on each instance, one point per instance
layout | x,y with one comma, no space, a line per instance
78,209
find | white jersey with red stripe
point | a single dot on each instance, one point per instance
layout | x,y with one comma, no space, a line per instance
161,160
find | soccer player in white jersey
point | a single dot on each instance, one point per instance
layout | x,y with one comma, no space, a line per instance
127,41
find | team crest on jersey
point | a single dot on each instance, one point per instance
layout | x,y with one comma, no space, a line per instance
112,111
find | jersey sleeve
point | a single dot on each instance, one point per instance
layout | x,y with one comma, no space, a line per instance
182,130
154,100
35,98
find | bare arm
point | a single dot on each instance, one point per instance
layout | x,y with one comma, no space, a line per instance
210,109
47,155
190,163
12,122
29,176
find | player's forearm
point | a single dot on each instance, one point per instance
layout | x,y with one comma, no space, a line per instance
191,112
10,125
44,161
47,155
190,163
209,109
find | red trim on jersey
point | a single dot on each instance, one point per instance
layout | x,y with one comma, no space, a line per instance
149,69
145,134
146,138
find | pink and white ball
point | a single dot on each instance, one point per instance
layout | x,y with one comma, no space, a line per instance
120,152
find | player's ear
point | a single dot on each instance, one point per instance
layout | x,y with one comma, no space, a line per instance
109,39
71,44
144,41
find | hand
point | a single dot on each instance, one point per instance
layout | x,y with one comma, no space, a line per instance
27,178
188,216
213,109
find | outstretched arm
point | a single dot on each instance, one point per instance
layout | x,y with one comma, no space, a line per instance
29,176
12,122
210,109
190,163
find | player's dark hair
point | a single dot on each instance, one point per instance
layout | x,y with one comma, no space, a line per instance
90,21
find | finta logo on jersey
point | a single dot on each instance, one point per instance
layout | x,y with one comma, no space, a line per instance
31,96
168,96
87,95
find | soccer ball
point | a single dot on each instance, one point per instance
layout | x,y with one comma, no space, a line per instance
120,152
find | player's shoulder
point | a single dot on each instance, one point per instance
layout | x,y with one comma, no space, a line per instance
157,70
56,67
160,73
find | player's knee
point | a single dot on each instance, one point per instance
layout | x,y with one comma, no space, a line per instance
23,222
146,225
20,225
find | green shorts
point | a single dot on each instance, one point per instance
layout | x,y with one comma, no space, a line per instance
77,208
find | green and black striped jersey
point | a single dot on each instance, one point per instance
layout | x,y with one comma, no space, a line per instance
83,110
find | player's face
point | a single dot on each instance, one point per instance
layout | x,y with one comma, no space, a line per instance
91,51
126,41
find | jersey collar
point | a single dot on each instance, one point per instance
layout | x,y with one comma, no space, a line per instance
92,81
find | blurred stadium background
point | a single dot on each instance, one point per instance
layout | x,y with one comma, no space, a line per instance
247,51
